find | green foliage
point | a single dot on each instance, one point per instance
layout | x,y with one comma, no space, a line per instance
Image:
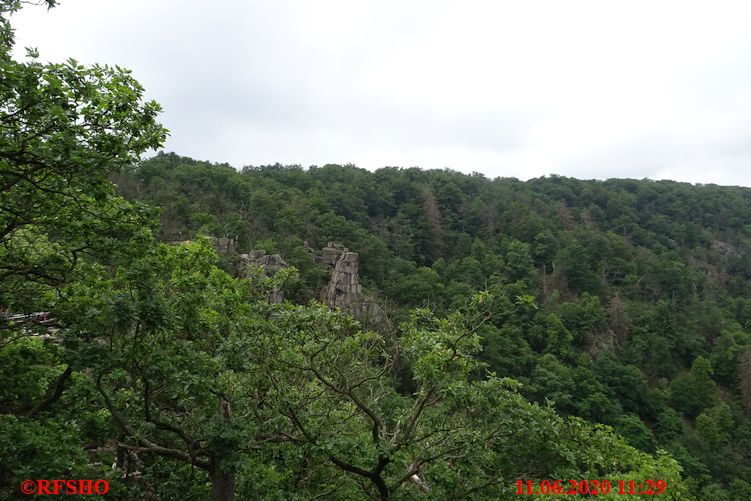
65,128
589,298
695,391
626,282
669,425
635,432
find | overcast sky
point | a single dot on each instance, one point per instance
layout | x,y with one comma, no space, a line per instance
524,88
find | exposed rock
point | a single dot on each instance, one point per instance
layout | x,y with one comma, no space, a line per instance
253,255
344,290
271,263
274,261
332,252
223,245
308,248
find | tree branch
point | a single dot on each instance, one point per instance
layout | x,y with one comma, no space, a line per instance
148,446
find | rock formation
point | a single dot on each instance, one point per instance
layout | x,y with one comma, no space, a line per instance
344,289
331,253
223,245
270,263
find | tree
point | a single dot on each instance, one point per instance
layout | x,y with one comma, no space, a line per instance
343,406
65,129
197,368
745,378
635,432
167,345
695,391
552,381
518,262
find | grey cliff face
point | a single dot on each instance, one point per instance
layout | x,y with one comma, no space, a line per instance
344,290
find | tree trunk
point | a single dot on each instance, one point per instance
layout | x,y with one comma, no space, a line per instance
222,484
383,490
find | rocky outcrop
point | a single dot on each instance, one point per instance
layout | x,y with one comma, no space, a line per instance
331,253
344,290
223,245
270,263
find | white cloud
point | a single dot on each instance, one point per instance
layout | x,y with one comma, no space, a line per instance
581,88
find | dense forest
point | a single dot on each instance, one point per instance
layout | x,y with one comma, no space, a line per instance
624,302
530,335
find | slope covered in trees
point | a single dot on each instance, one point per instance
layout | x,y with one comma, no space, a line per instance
627,301
532,320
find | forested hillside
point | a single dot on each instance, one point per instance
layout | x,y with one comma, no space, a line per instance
165,329
636,293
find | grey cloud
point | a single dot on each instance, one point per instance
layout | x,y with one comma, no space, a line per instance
492,87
